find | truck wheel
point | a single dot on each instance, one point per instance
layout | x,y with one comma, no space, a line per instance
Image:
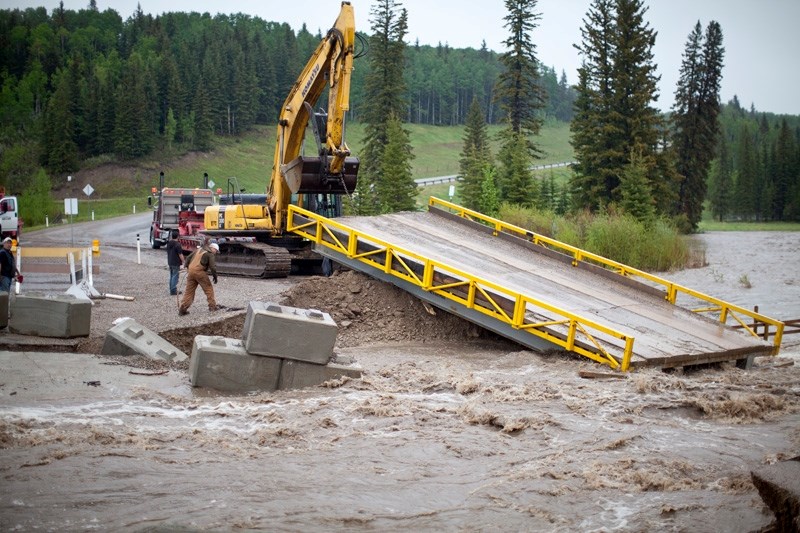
155,243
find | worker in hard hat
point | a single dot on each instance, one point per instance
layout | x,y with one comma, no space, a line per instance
199,265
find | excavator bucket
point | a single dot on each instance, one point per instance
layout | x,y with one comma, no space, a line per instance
309,175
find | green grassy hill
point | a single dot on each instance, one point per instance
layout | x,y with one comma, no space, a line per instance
249,158
121,185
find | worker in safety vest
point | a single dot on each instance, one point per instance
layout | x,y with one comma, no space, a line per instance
199,265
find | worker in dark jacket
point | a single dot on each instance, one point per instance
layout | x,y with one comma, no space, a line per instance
199,265
8,266
174,261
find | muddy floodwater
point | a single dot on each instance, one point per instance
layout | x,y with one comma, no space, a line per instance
749,268
470,436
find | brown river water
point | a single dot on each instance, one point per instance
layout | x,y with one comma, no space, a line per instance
471,436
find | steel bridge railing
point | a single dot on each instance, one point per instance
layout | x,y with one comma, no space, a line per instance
522,312
722,307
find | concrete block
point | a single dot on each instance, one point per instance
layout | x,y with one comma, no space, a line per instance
223,364
288,332
60,316
779,487
3,309
297,374
128,337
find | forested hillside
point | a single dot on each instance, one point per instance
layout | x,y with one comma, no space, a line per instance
83,87
756,173
82,84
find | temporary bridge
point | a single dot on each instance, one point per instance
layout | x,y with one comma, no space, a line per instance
540,292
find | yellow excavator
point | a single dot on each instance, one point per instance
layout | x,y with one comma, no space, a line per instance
251,229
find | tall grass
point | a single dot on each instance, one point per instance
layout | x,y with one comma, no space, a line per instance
656,248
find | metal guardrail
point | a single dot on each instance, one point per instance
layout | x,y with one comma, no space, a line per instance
423,182
724,309
568,330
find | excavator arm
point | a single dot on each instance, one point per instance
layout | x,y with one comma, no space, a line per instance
331,170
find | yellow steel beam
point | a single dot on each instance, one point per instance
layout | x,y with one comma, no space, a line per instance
579,255
481,296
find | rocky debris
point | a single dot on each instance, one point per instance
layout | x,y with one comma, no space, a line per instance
779,487
372,311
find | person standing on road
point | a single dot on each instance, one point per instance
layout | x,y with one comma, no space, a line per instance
8,266
174,261
199,265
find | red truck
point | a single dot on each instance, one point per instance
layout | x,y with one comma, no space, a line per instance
177,208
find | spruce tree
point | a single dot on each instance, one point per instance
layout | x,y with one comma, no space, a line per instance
475,157
746,178
614,112
521,97
203,125
384,91
592,133
637,199
696,117
720,183
396,188
519,86
59,149
518,181
785,167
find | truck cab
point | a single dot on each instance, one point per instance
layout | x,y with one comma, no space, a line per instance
177,208
10,223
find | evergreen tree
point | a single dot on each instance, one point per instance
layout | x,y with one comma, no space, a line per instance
135,127
203,125
696,117
59,149
592,132
785,167
614,115
746,177
720,186
475,157
637,199
396,188
518,183
519,86
384,91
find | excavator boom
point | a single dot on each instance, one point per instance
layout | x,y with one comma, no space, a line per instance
331,170
251,234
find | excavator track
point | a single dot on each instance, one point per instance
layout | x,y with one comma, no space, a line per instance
254,260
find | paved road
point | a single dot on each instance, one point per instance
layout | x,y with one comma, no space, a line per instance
118,231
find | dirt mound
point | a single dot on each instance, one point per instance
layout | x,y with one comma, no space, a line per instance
371,311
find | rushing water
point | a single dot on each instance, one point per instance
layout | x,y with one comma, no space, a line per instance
749,268
466,437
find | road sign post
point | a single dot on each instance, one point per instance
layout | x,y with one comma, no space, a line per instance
71,208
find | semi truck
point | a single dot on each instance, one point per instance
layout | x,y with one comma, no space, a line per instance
177,208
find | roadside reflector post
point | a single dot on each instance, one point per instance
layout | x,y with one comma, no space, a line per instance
138,250
89,259
19,266
71,261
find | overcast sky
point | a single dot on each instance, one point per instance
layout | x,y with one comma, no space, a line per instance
761,37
